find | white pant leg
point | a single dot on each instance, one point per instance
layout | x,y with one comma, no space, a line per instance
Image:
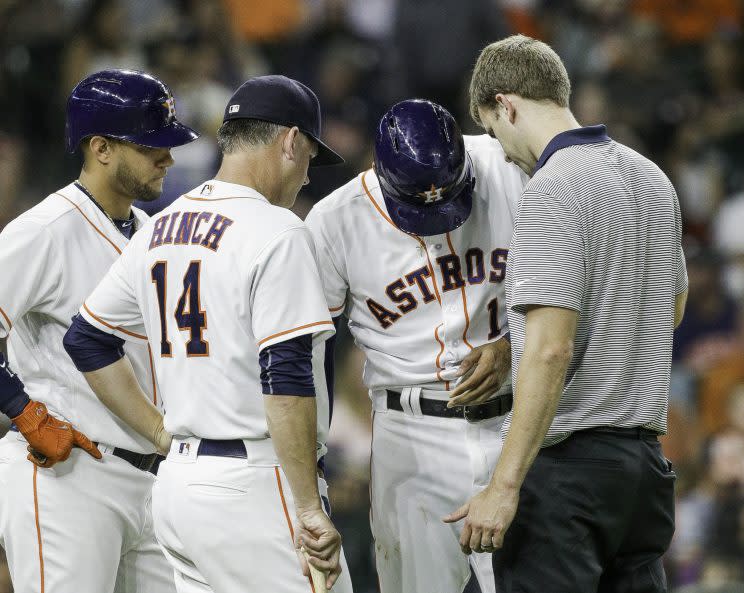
68,527
424,468
11,448
144,567
226,526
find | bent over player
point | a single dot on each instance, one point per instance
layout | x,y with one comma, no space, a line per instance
414,253
224,285
83,526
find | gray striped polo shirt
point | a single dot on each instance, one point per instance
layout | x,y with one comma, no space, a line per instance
599,231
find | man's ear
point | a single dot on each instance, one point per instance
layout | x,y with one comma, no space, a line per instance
506,107
100,148
289,142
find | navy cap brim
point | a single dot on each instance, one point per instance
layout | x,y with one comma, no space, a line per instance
431,219
325,155
172,135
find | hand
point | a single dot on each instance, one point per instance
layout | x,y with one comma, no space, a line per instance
318,538
162,439
488,516
483,371
50,440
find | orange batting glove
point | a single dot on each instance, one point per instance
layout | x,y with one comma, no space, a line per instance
50,440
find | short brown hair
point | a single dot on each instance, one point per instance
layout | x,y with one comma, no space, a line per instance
522,66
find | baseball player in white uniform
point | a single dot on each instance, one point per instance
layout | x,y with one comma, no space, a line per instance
223,285
82,526
414,253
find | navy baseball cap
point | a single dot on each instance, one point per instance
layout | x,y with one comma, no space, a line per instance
283,101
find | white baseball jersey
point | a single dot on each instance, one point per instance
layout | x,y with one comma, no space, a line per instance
417,305
212,280
51,257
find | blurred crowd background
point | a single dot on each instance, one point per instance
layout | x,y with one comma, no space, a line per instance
666,76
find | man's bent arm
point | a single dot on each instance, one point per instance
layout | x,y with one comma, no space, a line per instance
117,387
550,332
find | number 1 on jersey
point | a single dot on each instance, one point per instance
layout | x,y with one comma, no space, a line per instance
189,315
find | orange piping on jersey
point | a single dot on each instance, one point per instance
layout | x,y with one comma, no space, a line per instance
374,203
286,515
91,223
108,325
38,531
152,373
294,329
7,319
431,268
464,301
441,351
331,309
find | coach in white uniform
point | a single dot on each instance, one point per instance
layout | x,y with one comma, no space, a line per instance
414,253
596,286
224,286
82,526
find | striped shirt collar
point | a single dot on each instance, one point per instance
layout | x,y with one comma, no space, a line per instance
585,135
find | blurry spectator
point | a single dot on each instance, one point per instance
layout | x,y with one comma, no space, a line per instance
191,67
104,42
691,21
258,20
729,239
709,312
437,42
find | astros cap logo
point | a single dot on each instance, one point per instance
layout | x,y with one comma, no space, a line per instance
170,105
434,194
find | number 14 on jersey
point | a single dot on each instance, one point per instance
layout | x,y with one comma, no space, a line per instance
189,315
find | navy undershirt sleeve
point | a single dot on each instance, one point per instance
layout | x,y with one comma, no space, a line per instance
13,397
287,367
89,347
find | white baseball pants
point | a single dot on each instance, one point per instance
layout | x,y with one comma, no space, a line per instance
424,468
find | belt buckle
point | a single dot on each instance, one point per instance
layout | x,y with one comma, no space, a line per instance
470,415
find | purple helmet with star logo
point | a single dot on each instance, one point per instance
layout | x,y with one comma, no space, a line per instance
425,173
127,105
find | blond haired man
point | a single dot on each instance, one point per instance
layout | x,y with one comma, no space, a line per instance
582,498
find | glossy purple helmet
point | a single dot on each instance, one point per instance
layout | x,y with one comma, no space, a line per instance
124,104
425,173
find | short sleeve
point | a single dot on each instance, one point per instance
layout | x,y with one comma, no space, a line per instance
31,271
546,258
286,297
112,307
335,284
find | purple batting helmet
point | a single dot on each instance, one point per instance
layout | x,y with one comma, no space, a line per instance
425,173
124,104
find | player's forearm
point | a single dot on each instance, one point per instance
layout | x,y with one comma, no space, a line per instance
292,424
117,387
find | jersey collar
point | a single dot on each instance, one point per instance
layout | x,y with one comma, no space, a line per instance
585,135
222,190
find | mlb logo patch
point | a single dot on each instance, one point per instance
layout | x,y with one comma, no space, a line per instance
207,189
184,448
233,109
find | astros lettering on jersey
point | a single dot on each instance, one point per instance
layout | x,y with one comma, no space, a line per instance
427,301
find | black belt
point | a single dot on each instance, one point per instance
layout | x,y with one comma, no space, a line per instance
149,462
228,448
497,406
633,433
